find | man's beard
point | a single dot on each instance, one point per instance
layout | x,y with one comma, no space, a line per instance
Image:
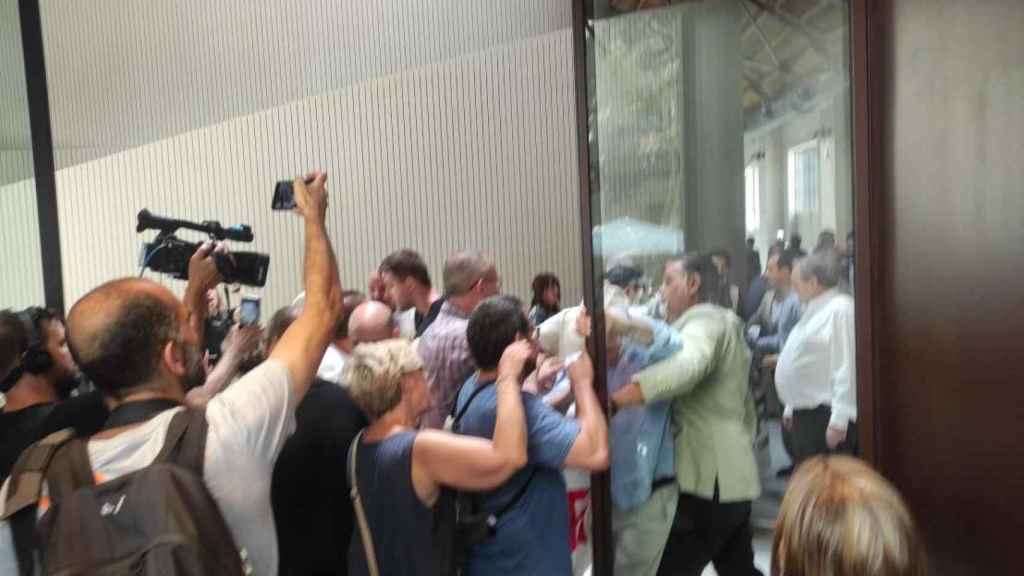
195,369
64,386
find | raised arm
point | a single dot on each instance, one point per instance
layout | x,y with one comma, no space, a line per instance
590,450
202,276
471,463
302,346
678,374
240,342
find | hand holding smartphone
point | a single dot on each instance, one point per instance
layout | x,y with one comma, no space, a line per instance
284,195
249,314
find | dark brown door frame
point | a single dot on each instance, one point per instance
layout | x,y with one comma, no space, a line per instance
865,85
590,212
865,82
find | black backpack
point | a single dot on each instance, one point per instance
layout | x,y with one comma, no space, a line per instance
157,520
460,521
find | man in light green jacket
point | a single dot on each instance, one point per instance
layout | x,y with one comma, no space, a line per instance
713,421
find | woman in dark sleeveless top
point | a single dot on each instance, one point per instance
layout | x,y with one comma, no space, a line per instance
400,471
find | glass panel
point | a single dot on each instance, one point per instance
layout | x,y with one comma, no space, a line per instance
718,129
21,283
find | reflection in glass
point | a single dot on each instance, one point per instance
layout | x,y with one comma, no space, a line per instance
21,282
723,128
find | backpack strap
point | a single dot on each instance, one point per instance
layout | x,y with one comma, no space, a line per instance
69,470
185,444
26,479
24,490
357,504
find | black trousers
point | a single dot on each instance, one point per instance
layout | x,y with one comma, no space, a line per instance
809,428
709,531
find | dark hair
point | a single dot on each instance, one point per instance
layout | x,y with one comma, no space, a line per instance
795,240
776,247
711,290
15,337
13,341
125,352
494,325
787,258
350,299
405,263
540,285
723,254
623,276
279,323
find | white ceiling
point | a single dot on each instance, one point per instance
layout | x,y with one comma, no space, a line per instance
123,73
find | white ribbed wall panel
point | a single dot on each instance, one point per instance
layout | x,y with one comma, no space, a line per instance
126,73
21,281
479,151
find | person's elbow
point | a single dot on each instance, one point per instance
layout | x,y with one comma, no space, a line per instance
600,459
500,468
588,454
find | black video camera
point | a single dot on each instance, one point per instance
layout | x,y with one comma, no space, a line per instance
170,255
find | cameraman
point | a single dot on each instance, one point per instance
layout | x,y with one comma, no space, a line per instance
137,342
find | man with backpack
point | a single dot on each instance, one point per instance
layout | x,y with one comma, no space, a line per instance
161,489
531,534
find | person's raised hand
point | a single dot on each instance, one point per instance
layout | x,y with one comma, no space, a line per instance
514,359
202,269
583,324
242,340
547,372
581,371
311,199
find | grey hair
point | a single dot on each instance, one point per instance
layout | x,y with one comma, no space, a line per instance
464,269
822,265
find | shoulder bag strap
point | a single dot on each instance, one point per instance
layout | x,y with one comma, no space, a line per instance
70,470
458,415
24,489
357,504
185,444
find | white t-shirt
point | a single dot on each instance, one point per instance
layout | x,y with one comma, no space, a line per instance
332,367
248,424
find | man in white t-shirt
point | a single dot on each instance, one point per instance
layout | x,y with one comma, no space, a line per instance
138,342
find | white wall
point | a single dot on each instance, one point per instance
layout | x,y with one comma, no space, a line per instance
21,282
831,116
478,151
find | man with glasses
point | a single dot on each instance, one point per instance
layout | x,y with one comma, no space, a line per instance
469,278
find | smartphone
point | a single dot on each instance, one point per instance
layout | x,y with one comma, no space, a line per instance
249,314
284,195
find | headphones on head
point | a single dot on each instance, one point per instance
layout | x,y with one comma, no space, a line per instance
35,359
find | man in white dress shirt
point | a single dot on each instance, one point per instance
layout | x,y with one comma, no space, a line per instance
816,374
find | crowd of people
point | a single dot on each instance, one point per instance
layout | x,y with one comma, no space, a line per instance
414,431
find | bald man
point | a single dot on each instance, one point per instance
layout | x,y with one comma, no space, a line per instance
138,343
372,321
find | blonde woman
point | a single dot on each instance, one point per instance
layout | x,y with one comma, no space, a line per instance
841,518
400,470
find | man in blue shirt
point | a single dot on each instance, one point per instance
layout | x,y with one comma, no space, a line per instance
643,477
532,536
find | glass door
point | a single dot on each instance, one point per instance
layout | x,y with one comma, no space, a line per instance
718,178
